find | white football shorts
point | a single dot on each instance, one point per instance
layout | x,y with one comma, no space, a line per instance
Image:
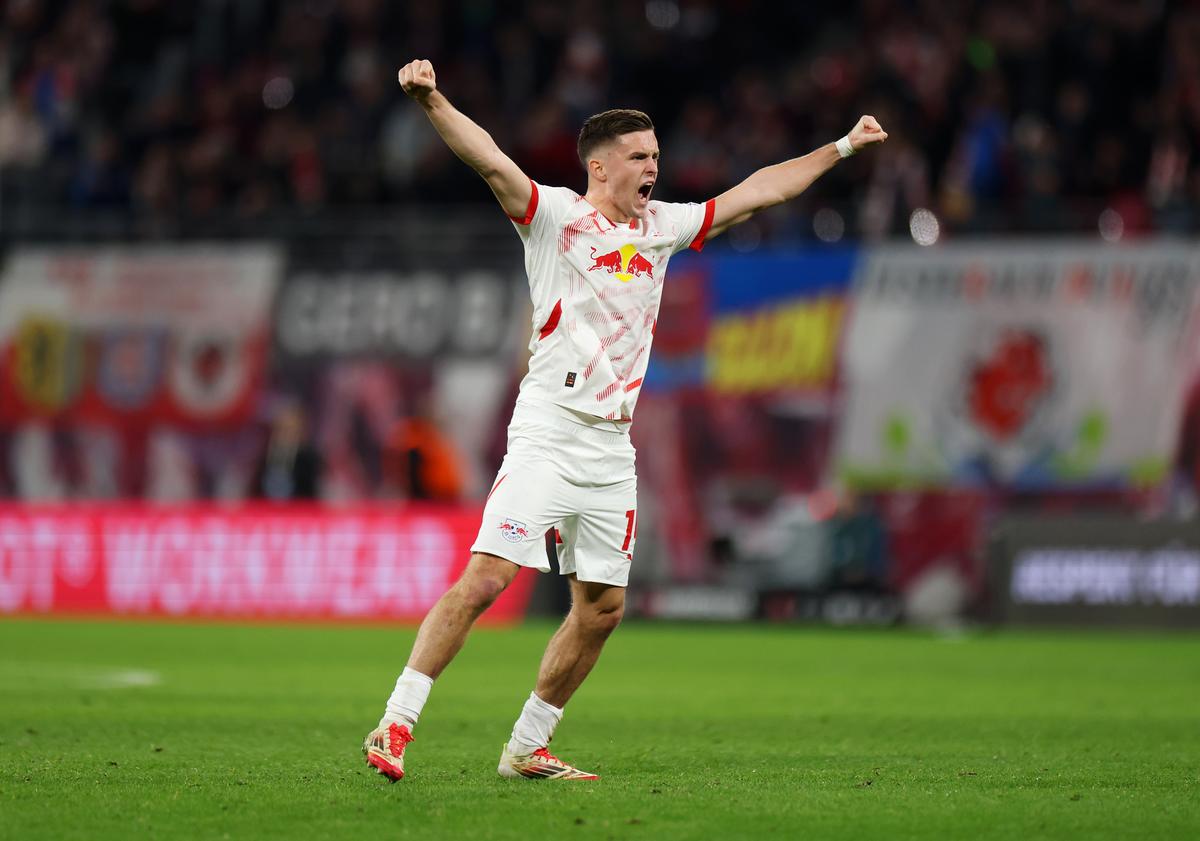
572,475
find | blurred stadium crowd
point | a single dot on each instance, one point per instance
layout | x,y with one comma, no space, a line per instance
1012,115
354,378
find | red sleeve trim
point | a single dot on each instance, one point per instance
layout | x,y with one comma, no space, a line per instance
710,207
532,209
552,321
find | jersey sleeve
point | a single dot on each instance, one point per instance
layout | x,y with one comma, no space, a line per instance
547,206
691,222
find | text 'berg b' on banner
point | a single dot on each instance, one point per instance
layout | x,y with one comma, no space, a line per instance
1029,364
419,316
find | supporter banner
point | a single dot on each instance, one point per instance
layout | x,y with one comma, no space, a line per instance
1026,364
747,324
173,333
1096,571
272,562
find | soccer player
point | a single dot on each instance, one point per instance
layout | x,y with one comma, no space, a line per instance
596,266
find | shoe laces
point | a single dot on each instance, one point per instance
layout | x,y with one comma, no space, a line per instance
544,753
398,737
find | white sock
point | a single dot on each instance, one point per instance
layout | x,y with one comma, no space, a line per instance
535,727
408,698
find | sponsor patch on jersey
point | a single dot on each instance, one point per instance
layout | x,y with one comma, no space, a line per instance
514,531
570,383
626,263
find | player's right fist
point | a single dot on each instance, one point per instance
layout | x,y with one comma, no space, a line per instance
417,79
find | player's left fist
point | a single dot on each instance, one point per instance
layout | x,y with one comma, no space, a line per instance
865,132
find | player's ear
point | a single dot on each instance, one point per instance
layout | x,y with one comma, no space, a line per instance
596,169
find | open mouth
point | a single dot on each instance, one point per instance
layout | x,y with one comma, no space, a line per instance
644,191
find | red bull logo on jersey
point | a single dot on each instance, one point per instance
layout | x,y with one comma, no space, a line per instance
514,531
626,263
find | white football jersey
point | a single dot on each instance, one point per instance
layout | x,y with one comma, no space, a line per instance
596,286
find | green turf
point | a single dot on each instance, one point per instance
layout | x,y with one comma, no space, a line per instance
699,732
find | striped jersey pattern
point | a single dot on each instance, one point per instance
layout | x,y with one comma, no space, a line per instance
596,287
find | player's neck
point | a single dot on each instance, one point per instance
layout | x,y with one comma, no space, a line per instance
604,204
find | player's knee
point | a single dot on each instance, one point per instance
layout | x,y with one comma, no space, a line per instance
610,619
480,590
604,620
483,581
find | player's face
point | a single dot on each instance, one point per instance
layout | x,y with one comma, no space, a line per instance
632,170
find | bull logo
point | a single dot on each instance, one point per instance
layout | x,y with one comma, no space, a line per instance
514,531
626,263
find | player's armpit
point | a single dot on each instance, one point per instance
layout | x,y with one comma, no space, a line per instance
513,188
729,210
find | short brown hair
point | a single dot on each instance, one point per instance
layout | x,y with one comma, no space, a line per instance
609,125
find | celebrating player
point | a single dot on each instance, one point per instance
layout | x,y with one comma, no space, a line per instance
596,266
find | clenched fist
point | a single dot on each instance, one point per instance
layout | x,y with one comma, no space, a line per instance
865,132
417,79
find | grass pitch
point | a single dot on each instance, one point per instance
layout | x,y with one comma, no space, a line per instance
144,730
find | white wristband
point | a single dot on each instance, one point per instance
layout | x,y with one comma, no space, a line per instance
844,148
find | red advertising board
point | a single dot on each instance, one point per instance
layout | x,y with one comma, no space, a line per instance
256,561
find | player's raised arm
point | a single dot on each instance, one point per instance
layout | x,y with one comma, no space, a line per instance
782,182
467,139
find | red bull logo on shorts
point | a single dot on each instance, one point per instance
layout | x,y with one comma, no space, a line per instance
626,263
514,531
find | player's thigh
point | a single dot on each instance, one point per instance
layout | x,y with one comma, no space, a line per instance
600,546
528,498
